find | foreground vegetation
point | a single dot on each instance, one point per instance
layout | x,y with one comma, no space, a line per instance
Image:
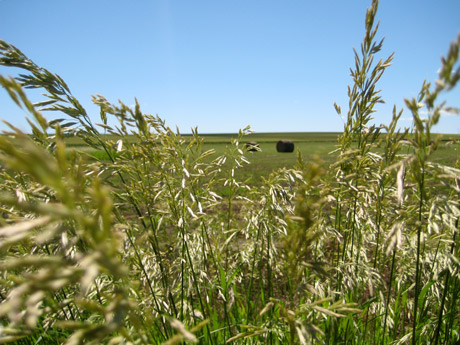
142,248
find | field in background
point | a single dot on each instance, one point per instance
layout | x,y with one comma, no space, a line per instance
310,144
268,159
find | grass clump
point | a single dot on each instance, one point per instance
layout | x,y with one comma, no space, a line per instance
159,240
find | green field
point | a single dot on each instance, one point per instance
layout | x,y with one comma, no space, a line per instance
268,159
312,145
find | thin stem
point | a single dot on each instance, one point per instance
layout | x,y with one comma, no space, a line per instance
393,260
254,256
417,267
444,293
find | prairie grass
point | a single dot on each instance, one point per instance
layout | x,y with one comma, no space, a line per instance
168,242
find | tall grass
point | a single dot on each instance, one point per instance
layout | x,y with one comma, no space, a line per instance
162,243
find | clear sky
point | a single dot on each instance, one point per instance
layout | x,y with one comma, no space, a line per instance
220,65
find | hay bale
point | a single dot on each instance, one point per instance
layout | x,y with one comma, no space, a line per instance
252,146
285,146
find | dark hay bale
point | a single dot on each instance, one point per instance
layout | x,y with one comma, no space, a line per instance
252,146
285,146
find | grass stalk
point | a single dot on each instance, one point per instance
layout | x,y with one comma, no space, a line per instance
388,297
417,263
445,291
249,300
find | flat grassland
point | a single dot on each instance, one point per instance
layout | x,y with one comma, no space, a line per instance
311,145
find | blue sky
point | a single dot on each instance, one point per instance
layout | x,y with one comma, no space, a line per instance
277,66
